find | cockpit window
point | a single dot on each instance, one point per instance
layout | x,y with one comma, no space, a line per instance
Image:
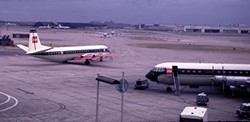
156,69
107,50
245,108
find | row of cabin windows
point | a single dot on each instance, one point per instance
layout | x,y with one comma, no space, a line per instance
71,52
82,51
215,72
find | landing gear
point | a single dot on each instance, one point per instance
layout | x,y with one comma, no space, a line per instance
65,62
169,89
101,60
87,62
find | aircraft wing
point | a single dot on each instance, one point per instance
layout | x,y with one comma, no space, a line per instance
233,80
91,56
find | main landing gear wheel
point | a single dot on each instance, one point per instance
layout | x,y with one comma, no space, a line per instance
87,62
65,61
169,89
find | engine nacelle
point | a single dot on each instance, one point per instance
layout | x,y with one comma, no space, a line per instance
238,81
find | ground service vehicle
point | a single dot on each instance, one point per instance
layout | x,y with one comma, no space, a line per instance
193,114
243,111
141,84
202,99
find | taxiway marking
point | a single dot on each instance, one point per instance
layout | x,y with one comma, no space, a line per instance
9,98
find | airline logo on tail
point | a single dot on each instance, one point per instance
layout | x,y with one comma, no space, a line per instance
34,39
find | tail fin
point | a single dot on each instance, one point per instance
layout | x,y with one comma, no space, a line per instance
34,44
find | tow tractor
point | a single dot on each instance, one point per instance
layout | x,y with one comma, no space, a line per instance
141,84
202,99
243,111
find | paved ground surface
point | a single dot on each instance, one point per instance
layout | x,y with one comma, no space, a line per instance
36,90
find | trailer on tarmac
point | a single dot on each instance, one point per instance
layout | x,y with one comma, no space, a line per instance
193,114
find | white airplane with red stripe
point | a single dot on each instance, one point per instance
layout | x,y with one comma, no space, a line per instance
233,76
65,54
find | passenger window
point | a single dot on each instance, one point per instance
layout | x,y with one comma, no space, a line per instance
218,72
224,72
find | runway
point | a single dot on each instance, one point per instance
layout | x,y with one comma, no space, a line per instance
52,92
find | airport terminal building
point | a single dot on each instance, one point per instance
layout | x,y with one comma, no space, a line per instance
230,29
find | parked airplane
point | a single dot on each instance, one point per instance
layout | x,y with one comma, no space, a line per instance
10,24
65,54
108,35
45,27
233,76
62,27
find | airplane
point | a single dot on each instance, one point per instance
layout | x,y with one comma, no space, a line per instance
108,35
45,27
233,76
65,54
62,27
105,35
113,32
10,24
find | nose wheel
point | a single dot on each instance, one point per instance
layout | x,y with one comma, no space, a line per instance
169,89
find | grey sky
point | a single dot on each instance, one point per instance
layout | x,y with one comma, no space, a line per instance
211,12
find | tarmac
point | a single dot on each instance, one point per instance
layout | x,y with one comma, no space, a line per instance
36,90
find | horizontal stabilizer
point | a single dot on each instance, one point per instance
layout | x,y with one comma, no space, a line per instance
45,48
26,49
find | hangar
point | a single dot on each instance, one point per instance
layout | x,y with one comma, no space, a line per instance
235,29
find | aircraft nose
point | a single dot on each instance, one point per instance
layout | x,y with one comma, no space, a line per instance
151,75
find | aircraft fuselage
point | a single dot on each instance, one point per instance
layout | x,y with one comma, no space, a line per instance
202,74
61,54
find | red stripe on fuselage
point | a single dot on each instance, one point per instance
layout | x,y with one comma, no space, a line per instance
169,71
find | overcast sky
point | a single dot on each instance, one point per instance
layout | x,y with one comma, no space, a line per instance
210,12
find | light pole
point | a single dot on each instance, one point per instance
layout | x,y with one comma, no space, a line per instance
97,100
105,80
122,86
